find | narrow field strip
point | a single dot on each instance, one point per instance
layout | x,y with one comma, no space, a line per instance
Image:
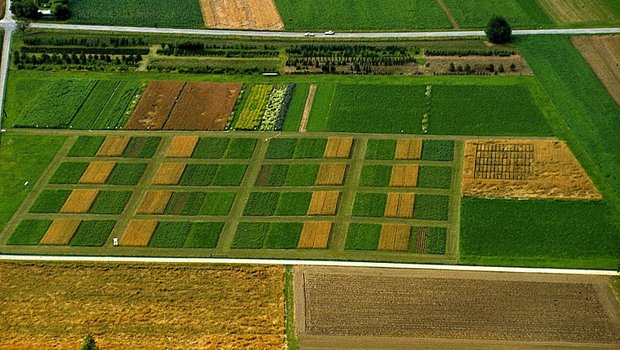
307,108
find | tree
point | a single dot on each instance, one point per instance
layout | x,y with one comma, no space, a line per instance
61,11
498,30
89,343
25,9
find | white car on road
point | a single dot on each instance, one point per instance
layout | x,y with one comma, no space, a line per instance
330,32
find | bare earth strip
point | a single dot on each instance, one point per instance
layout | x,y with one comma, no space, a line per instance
155,105
577,11
141,307
241,14
446,10
346,308
554,172
60,232
603,54
307,108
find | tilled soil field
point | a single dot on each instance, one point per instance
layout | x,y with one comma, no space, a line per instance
141,307
340,306
603,54
155,105
241,14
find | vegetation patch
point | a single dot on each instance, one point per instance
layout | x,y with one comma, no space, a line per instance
293,203
375,176
92,233
110,202
204,235
430,207
380,149
240,148
283,235
435,177
442,150
310,148
519,13
69,173
86,146
229,175
141,147
217,203
170,235
50,201
210,148
198,175
363,237
301,175
29,232
185,203
272,175
281,148
261,204
436,240
369,204
127,174
250,235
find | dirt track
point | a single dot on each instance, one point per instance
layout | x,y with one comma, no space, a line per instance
340,307
241,14
602,54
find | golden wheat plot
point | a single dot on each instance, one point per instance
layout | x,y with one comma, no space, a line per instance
60,232
182,146
315,235
97,173
154,202
241,14
408,149
113,146
79,201
338,147
138,233
331,174
324,203
404,175
394,237
169,174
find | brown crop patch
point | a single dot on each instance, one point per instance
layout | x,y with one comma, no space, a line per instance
155,105
338,147
399,205
182,146
331,174
524,169
602,54
578,11
60,232
315,235
204,106
407,309
404,175
169,174
408,149
421,239
154,202
79,201
324,203
142,307
307,108
113,146
394,237
138,233
97,172
241,14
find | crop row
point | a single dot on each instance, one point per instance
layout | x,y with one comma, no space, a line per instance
277,106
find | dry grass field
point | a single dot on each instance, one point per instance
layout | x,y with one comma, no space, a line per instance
140,307
241,14
577,11
399,309
524,169
602,54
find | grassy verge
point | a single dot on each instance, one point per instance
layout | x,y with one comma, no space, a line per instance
291,339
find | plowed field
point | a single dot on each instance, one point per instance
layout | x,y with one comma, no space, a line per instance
398,309
141,307
241,14
204,106
155,105
603,54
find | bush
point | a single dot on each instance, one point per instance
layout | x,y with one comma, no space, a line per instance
498,30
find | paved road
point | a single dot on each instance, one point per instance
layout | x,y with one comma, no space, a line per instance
115,259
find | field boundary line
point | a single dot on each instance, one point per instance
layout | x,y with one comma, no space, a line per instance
326,263
446,10
307,108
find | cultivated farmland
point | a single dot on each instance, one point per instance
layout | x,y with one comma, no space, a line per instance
241,14
582,11
154,107
602,54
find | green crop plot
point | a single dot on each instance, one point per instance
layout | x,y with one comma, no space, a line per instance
436,240
435,177
217,203
170,235
365,15
141,147
92,233
512,232
519,13
29,232
283,235
204,234
429,207
240,148
441,150
301,174
261,204
198,175
310,148
69,173
185,203
86,146
155,13
369,204
375,176
250,235
381,149
296,108
106,106
253,107
50,201
210,148
229,175
126,174
110,202
272,175
281,149
363,237
94,104
293,204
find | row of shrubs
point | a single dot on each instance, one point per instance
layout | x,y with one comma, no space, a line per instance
344,50
378,61
87,50
218,50
86,42
468,52
24,60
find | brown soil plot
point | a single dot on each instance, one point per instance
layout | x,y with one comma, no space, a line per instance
577,11
307,108
138,233
404,175
169,174
113,146
60,232
338,147
324,203
155,105
524,169
204,106
79,201
97,172
331,174
408,149
602,54
182,146
406,309
241,14
154,202
142,307
399,205
315,235
394,237
421,238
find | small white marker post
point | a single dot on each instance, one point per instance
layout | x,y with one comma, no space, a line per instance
115,241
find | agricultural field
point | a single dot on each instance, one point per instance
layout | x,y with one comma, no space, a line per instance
212,307
241,14
519,13
582,12
602,54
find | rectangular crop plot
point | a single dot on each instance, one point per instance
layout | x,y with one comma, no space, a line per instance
261,204
399,205
79,201
315,235
240,148
204,235
97,173
204,106
394,237
408,149
169,174
324,203
86,146
281,149
211,148
251,114
250,235
138,233
338,147
155,105
113,146
283,235
182,146
198,174
331,174
404,175
272,175
229,175
170,235
185,203
301,175
110,202
127,174
309,148
375,176
68,173
293,204
217,203
60,232
363,237
141,147
504,161
430,207
519,13
154,202
92,233
50,201
29,232
440,150
435,177
380,149
368,204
